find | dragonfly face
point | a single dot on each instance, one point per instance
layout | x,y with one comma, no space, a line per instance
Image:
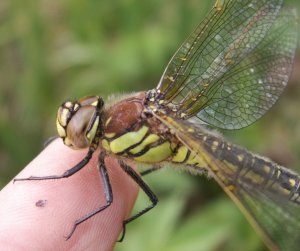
227,73
79,122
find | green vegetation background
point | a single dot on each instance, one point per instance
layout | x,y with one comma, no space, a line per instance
54,50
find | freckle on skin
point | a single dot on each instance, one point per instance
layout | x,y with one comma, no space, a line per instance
41,203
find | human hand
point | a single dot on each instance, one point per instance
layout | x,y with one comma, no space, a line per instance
37,215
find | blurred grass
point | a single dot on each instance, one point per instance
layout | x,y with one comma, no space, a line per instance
54,50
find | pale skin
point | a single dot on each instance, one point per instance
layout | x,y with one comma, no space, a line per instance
26,225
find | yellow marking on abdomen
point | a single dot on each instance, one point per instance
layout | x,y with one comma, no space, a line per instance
127,140
195,159
254,177
156,154
240,157
267,169
180,155
277,187
214,145
292,182
231,167
152,138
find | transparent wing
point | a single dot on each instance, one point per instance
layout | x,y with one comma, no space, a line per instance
234,66
247,90
271,205
278,218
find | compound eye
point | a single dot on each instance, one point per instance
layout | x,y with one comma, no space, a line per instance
78,126
95,101
77,122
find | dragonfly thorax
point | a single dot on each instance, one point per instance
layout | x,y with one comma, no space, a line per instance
79,122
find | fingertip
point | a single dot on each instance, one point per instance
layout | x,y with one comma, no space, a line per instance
67,201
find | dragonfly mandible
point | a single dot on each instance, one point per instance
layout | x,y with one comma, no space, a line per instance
226,74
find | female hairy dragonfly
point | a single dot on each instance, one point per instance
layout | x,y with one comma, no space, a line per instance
226,74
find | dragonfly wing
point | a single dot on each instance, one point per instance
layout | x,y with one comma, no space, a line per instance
234,66
269,208
280,219
248,89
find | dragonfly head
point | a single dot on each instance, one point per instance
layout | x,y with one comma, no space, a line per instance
79,123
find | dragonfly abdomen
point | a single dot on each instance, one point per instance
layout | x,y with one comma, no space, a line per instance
238,167
184,156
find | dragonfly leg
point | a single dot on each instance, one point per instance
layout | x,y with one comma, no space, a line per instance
151,170
134,175
67,173
107,191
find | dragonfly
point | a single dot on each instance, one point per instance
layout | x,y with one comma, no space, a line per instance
226,74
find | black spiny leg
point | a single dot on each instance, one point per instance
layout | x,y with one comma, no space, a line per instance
67,173
133,174
107,191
